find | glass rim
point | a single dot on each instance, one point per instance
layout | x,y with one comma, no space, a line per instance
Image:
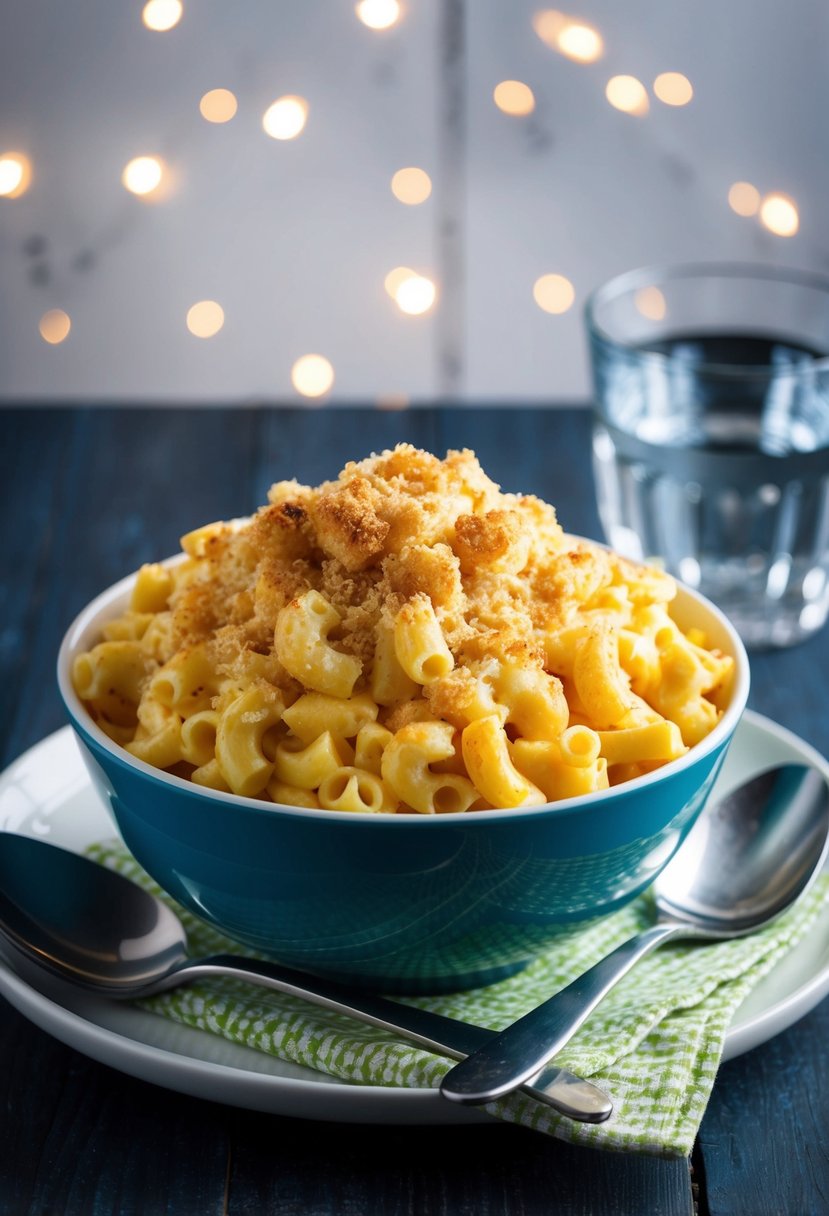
663,273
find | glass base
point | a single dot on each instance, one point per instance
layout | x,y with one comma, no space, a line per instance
764,626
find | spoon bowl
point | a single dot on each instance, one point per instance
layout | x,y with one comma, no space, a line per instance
746,860
750,855
78,920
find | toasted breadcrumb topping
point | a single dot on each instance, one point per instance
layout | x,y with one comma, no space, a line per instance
497,568
407,616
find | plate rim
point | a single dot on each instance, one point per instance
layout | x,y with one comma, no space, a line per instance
318,1097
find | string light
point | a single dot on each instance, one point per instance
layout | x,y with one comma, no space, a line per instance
378,14
651,303
312,375
219,105
143,174
548,24
744,198
673,88
411,186
575,39
554,293
628,94
779,214
581,43
205,319
161,15
514,97
286,118
396,277
15,174
54,326
415,295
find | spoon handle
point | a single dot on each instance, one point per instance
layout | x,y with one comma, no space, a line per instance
556,1087
511,1057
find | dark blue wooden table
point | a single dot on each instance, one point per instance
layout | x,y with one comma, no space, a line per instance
88,494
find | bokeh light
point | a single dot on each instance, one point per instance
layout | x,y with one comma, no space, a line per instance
397,276
161,15
744,198
514,97
286,118
54,326
415,295
554,293
15,174
779,214
548,24
219,105
411,186
378,14
673,88
143,174
651,303
628,94
205,318
573,38
312,375
580,42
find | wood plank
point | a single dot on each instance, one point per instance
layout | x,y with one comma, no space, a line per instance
94,493
80,1139
105,490
314,445
30,477
763,1139
790,687
317,1169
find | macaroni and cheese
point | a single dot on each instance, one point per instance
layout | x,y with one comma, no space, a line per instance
406,638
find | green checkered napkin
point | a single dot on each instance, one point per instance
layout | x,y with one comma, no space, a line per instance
653,1045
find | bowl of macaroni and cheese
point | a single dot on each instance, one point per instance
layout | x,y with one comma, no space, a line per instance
401,728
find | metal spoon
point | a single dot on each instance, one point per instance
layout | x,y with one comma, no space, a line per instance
72,917
745,861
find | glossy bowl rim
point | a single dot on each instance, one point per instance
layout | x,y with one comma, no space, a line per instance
84,725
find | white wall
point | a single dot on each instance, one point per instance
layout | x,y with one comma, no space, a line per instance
294,238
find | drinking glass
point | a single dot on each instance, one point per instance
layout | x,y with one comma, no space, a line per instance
711,436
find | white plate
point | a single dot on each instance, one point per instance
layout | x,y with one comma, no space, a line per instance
47,793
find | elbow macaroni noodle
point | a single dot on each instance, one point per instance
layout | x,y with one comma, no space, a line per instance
404,639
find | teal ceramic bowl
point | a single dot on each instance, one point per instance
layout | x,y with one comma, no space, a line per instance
404,903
